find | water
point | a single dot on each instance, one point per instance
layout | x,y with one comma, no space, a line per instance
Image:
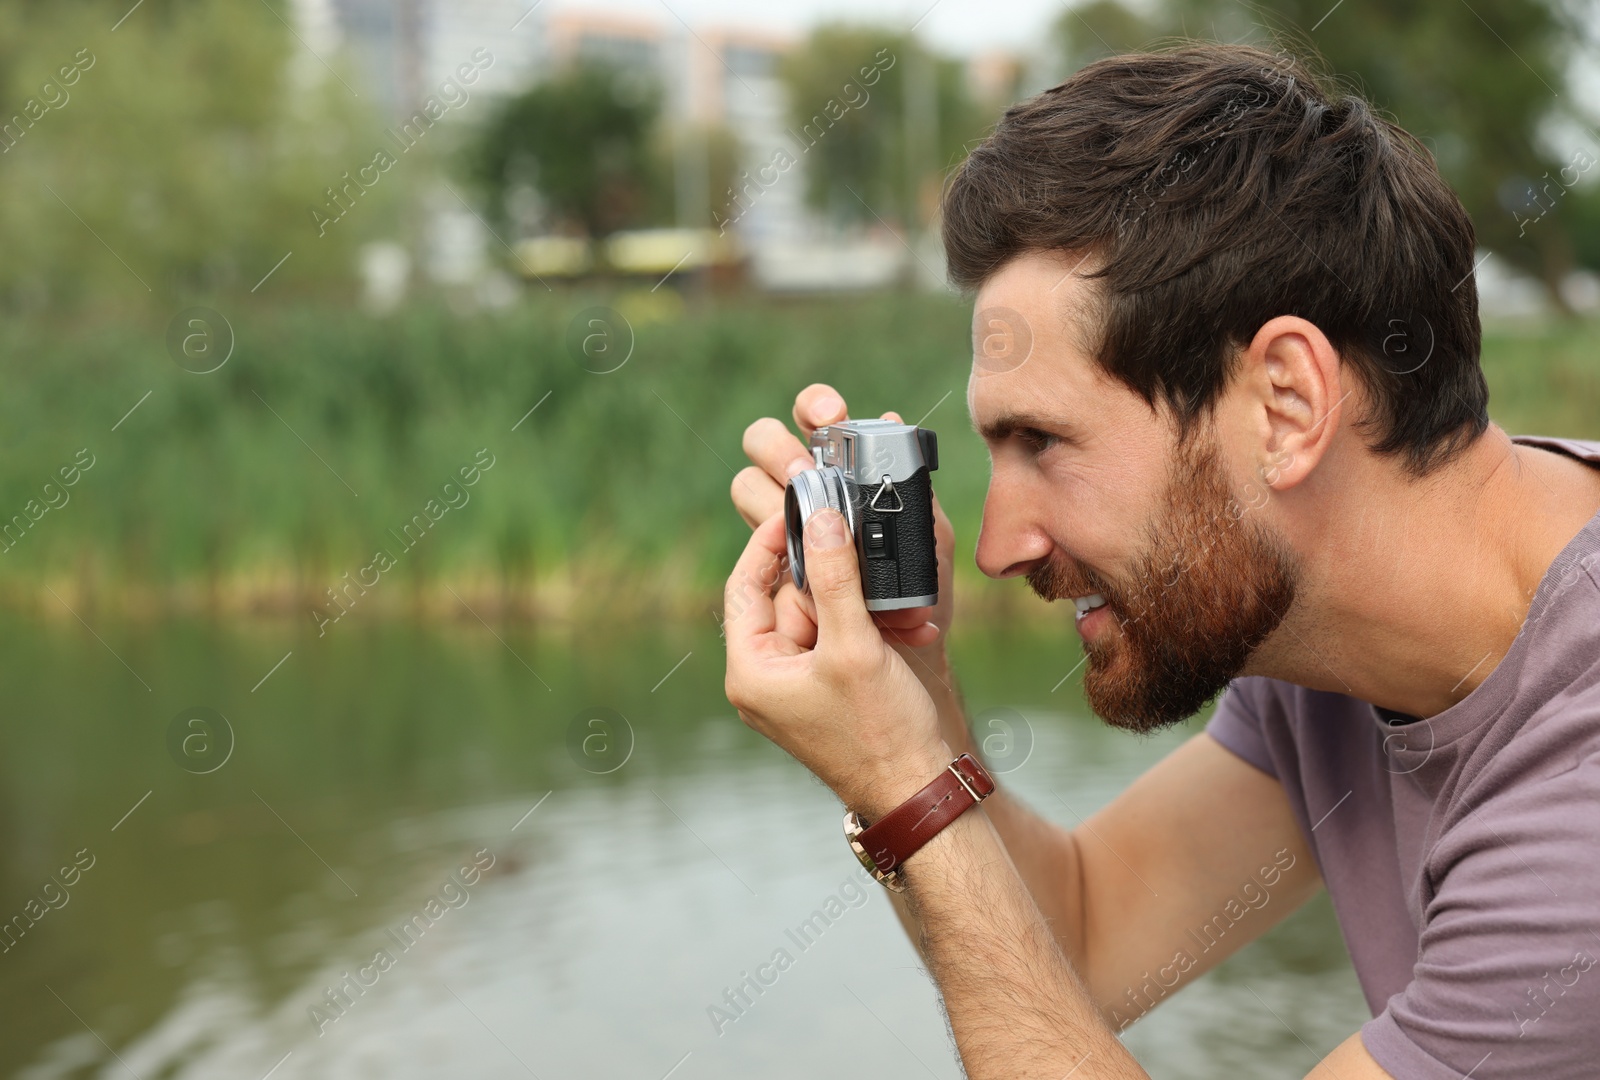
616,909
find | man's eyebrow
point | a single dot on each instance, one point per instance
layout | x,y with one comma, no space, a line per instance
1007,424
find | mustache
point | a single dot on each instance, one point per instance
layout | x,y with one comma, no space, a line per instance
1061,579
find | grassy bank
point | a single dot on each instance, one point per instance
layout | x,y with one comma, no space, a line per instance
261,485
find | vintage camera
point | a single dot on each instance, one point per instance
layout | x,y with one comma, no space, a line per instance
875,473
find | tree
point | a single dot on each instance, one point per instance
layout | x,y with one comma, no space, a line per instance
878,119
1478,84
174,160
582,141
1102,28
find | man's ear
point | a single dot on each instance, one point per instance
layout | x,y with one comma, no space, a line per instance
1291,378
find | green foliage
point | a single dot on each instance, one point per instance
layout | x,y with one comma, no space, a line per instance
1476,83
1102,28
582,141
619,474
1582,212
180,160
881,118
204,481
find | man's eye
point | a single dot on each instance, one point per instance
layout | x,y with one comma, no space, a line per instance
1036,440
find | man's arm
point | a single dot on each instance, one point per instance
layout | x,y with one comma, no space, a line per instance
1015,1005
1044,853
1198,857
1204,847
848,708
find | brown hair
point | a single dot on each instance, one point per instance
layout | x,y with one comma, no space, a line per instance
1222,186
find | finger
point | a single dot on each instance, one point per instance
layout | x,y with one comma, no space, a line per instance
843,621
902,619
756,495
892,415
747,610
796,618
816,406
924,634
775,450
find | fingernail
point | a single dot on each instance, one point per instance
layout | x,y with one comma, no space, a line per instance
798,465
826,530
828,406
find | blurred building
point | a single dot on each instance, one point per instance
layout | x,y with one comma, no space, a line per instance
404,49
711,78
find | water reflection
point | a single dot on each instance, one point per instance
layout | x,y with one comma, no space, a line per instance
401,870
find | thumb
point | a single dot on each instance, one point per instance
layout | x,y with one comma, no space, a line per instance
835,580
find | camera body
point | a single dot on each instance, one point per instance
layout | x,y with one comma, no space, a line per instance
877,474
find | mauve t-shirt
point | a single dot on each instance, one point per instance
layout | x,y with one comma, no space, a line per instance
1462,851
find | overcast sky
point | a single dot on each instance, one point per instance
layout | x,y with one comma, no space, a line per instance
953,26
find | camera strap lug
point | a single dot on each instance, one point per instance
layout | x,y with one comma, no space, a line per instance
887,487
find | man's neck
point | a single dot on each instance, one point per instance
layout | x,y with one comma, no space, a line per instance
1414,591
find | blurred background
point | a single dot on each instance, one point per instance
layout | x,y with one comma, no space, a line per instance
374,373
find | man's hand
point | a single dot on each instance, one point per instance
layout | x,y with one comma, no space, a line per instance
758,494
837,697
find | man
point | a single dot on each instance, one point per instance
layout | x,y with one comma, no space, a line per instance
1249,442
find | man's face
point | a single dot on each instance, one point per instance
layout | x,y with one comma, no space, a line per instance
1093,499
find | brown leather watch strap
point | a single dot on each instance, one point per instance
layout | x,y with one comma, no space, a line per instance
889,842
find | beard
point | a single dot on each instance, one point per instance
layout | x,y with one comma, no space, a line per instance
1209,586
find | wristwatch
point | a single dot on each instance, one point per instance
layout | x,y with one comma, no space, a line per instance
882,847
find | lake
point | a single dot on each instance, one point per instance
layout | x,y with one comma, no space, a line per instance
252,819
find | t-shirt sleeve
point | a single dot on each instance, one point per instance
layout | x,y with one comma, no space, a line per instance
1237,723
1505,983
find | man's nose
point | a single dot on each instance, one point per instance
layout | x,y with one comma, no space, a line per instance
1011,539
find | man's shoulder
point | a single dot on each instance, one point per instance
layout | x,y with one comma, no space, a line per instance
1273,724
1582,449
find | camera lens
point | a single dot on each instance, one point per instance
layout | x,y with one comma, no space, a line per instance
808,492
